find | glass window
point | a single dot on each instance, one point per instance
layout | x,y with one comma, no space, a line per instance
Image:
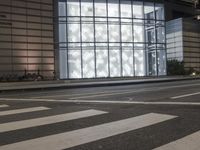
102,61
137,9
88,63
62,9
113,8
159,10
127,61
74,62
138,33
87,32
73,8
73,32
149,11
114,33
100,8
101,32
126,9
86,8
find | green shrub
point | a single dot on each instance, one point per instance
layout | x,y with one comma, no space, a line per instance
175,67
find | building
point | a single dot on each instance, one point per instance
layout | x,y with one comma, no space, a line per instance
26,38
82,38
111,38
183,42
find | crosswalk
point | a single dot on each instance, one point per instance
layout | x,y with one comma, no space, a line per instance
77,137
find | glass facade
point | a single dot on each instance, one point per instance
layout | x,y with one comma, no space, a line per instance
111,38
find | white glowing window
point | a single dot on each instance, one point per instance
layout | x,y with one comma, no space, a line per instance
115,63
86,8
113,8
137,9
127,62
139,56
102,63
100,8
73,8
126,9
74,62
88,64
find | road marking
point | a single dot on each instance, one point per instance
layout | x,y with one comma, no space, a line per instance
131,91
84,95
109,102
24,110
48,120
185,95
190,142
3,105
90,134
102,95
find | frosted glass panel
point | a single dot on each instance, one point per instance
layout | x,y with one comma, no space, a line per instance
100,8
114,35
126,9
62,33
88,64
87,33
62,9
63,63
138,33
101,32
139,56
137,9
113,8
73,32
102,63
74,61
161,62
127,62
126,33
73,8
115,64
86,8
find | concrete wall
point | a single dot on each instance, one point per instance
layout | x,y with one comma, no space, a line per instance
26,37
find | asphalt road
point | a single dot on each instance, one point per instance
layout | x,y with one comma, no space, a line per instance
161,116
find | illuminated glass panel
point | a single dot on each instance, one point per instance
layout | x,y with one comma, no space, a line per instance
102,63
127,61
111,39
74,62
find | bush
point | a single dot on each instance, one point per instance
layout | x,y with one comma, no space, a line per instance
175,67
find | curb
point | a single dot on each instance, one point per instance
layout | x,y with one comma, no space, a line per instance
95,84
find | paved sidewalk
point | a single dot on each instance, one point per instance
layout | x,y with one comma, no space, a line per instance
38,85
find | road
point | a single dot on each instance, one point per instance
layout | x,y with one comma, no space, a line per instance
160,116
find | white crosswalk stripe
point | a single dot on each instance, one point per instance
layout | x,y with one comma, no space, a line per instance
86,135
190,142
24,110
3,105
48,120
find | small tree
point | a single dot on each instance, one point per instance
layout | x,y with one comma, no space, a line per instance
175,67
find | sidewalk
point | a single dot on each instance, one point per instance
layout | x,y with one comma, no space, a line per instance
64,84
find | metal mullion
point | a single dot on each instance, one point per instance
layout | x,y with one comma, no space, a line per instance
108,39
133,38
95,62
81,40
